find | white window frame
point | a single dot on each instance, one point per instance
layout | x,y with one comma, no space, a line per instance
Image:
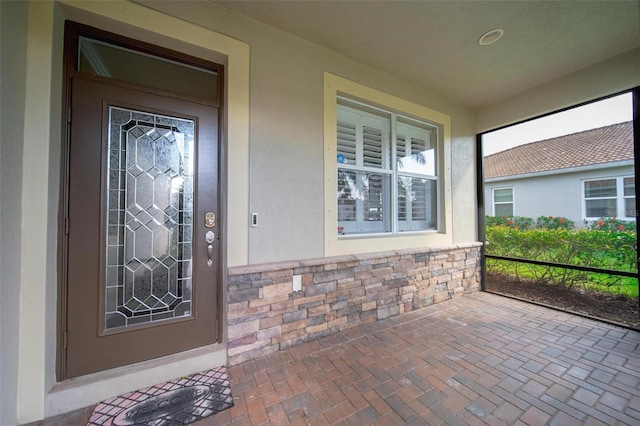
382,122
628,197
494,202
336,87
418,130
393,127
619,197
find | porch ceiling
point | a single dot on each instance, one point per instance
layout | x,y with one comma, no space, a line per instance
434,44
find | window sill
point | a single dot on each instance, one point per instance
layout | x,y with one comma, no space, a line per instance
387,234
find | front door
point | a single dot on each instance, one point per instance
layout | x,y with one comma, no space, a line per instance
142,257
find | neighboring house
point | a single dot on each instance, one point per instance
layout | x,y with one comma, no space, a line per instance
184,187
582,177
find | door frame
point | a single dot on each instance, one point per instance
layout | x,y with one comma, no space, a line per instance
72,32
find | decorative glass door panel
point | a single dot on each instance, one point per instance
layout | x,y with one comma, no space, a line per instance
142,258
149,218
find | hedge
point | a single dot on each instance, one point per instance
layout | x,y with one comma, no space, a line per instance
608,246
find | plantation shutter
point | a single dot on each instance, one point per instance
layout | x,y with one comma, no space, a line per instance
346,196
363,152
401,151
372,147
374,194
347,147
419,200
375,153
362,138
416,168
401,145
347,144
402,199
418,146
374,201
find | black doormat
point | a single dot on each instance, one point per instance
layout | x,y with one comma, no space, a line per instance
176,402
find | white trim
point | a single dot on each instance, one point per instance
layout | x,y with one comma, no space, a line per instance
35,277
619,197
493,200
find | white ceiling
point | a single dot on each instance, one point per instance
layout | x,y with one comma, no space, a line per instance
434,44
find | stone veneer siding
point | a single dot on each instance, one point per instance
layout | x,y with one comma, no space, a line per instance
265,315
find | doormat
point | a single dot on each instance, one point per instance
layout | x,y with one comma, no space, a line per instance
176,402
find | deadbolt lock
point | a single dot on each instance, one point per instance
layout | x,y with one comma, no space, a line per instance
209,219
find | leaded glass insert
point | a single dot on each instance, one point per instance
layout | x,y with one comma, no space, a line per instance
150,184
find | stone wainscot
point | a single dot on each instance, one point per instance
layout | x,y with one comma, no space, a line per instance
265,314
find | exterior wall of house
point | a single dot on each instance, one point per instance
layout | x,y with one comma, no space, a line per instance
276,172
551,195
286,150
13,41
274,166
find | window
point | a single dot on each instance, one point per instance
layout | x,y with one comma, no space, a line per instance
629,197
374,149
503,201
610,197
364,172
416,177
383,206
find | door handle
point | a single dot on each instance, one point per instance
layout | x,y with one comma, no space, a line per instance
209,238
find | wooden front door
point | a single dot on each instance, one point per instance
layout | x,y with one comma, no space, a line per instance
142,231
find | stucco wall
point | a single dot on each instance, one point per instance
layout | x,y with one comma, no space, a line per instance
286,156
13,40
551,195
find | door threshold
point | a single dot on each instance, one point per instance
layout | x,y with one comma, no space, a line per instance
84,391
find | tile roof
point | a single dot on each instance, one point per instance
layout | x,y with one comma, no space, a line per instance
596,146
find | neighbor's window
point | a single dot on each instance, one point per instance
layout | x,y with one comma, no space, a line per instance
610,197
503,202
629,196
387,177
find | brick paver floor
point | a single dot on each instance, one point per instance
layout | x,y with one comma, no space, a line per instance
479,359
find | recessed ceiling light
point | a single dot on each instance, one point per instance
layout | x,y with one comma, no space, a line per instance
491,36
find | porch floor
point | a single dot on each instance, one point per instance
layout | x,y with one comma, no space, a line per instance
475,360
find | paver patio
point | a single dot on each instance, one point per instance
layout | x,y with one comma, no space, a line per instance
476,360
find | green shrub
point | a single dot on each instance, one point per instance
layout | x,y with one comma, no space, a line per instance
606,249
554,222
611,224
523,222
602,249
517,222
